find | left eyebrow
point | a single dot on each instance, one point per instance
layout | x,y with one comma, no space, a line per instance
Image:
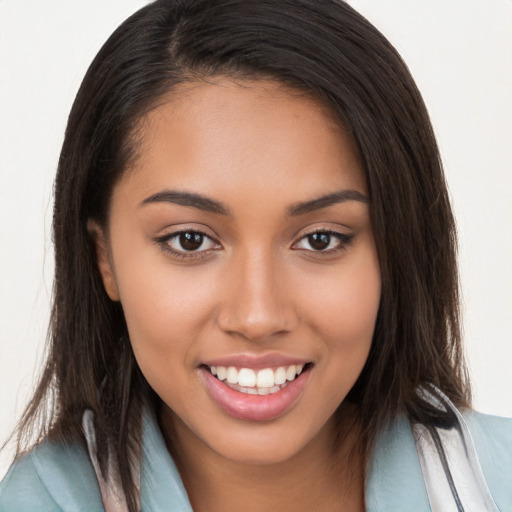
324,201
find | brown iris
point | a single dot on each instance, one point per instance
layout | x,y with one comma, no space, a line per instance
319,241
191,241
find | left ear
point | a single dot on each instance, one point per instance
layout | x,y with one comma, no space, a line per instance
103,259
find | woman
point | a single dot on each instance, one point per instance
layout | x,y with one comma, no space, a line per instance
256,284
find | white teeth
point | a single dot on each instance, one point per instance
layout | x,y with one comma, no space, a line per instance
232,375
265,378
256,391
260,382
247,378
280,376
291,372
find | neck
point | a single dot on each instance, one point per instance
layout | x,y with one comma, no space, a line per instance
327,474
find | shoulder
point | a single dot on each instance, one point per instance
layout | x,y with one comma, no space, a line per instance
53,477
490,430
22,489
394,476
492,437
394,480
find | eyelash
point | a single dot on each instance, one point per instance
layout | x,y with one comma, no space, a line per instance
344,241
166,240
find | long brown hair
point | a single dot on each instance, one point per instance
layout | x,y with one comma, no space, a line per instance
326,49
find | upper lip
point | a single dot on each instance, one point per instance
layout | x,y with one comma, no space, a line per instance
257,362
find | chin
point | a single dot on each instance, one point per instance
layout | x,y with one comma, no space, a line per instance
260,450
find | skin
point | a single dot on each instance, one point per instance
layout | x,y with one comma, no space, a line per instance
256,286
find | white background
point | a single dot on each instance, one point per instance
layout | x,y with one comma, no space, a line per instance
460,52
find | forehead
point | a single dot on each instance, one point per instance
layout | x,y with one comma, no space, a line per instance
251,136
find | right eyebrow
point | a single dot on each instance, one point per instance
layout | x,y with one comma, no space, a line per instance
190,199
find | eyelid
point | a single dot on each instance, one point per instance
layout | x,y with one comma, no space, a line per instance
345,240
164,239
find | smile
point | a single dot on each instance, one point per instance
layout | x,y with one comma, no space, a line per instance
262,382
256,394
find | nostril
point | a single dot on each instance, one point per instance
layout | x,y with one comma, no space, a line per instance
257,325
253,303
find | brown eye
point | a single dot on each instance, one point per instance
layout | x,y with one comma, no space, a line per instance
191,241
319,241
185,243
324,242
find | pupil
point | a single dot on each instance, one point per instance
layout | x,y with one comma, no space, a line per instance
191,241
319,241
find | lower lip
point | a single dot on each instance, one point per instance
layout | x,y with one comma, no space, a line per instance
254,407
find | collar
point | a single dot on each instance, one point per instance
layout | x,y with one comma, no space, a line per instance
394,480
161,487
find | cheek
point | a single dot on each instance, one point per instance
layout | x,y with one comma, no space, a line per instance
165,314
345,308
342,316
165,306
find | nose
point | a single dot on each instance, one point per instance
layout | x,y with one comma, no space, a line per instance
256,302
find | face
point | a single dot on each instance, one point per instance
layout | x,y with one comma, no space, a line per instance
241,249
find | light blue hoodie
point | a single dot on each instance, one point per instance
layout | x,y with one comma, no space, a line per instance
61,478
